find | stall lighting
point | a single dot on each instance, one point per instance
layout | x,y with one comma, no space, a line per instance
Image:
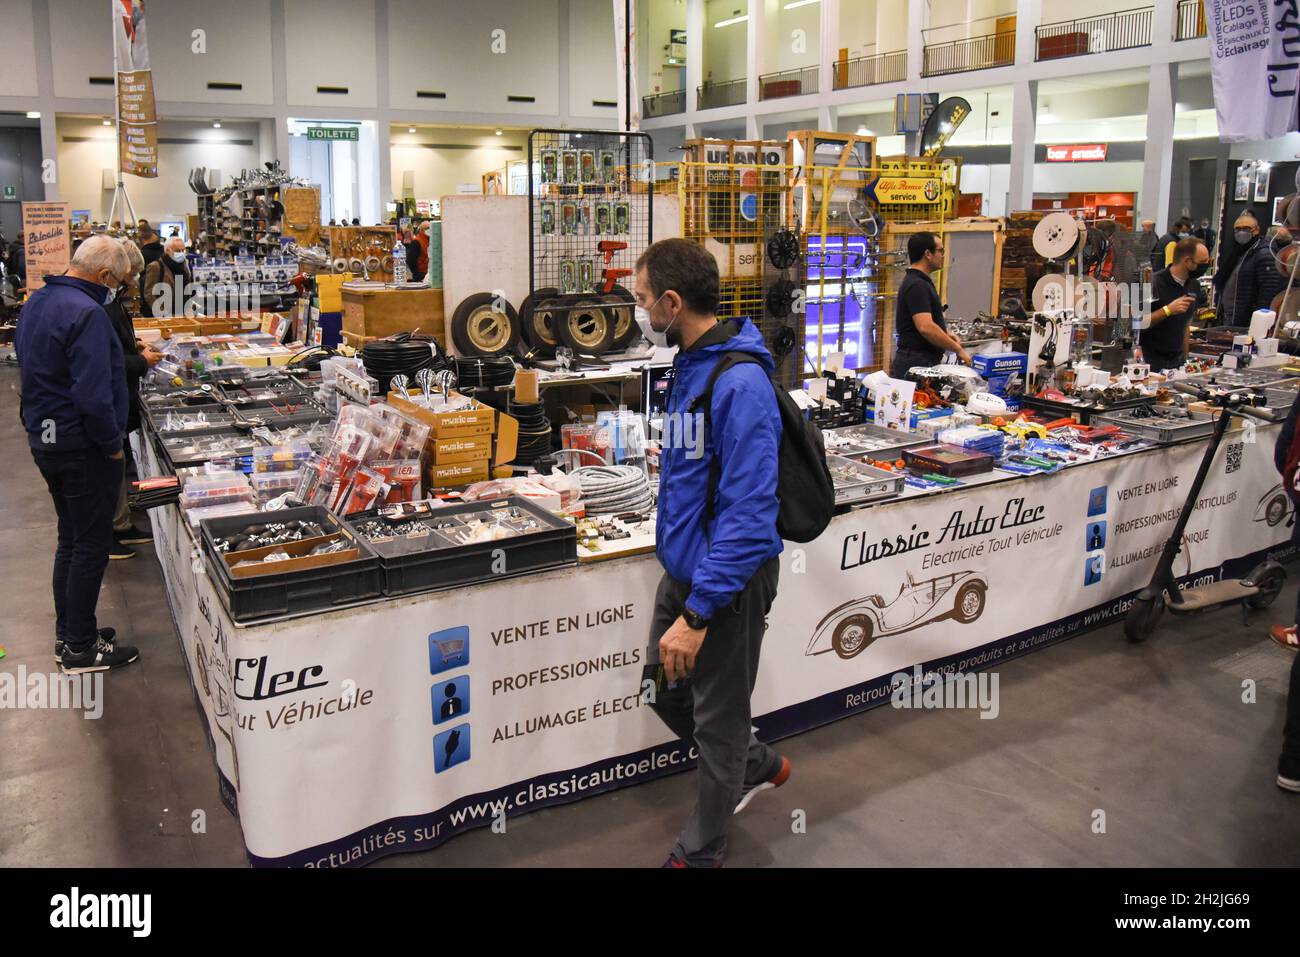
863,131
498,132
33,114
410,129
800,3
216,124
106,122
732,21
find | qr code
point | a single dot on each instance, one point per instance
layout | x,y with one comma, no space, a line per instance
1234,456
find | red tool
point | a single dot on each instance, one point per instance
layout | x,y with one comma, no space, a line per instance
612,276
609,247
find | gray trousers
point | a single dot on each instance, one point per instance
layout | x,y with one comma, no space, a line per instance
709,709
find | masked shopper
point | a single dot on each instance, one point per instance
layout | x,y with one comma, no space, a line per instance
720,569
1164,338
74,407
166,280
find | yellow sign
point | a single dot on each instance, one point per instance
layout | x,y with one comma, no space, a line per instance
898,189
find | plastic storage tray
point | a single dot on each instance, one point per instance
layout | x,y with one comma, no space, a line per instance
1084,410
434,560
869,441
295,592
1279,396
948,460
216,419
1161,425
1240,378
182,450
856,482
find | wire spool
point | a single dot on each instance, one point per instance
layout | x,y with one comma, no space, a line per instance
783,249
619,309
534,431
613,489
405,354
1051,293
1057,236
586,329
484,325
484,372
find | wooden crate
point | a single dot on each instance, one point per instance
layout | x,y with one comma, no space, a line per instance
383,312
169,327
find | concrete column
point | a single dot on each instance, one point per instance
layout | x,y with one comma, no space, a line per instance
45,102
753,127
1158,161
279,83
755,28
1024,127
915,39
827,118
695,40
830,47
1029,14
383,121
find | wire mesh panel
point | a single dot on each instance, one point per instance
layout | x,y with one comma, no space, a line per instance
590,212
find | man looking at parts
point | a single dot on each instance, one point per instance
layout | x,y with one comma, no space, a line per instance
923,336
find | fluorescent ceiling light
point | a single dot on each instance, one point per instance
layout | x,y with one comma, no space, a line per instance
863,131
106,122
800,3
734,20
499,132
33,114
216,125
1046,118
410,129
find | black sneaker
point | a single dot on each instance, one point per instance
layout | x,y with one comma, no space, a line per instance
102,657
105,634
118,551
133,536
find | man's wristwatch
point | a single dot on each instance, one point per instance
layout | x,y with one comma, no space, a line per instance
698,622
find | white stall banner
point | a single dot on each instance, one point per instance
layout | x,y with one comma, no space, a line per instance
1255,64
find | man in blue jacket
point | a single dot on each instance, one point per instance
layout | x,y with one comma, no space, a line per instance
720,573
74,407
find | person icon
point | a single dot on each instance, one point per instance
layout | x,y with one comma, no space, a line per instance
453,705
1095,539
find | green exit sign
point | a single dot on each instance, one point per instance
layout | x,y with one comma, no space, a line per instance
333,133
11,192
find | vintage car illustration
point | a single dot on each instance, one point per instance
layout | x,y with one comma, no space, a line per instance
852,626
1274,507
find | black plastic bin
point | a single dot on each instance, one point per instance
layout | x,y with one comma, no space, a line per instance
1085,412
296,592
434,561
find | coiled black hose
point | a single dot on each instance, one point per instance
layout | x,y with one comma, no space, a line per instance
484,373
534,431
403,354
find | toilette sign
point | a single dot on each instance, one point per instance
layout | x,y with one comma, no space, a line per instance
1077,153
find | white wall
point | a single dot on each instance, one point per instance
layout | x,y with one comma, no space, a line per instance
237,34
82,45
438,171
858,28
592,69
1055,11
17,49
779,29
724,48
167,197
330,43
655,21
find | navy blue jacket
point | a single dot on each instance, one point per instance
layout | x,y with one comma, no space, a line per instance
746,435
1258,281
73,377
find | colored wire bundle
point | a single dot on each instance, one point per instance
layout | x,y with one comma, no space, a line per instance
610,489
404,354
484,372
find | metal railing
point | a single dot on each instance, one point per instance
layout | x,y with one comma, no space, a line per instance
1191,20
712,95
663,104
868,70
772,86
1122,30
962,56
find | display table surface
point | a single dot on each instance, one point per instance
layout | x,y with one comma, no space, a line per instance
394,725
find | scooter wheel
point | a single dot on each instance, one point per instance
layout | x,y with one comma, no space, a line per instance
1270,586
1143,618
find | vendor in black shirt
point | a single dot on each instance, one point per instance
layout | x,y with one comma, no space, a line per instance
1173,298
918,319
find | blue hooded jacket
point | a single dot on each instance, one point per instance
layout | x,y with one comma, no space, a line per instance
746,436
73,373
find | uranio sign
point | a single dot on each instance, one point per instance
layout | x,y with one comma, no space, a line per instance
1077,153
333,133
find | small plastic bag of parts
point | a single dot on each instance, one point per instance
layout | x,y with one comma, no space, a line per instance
274,533
280,556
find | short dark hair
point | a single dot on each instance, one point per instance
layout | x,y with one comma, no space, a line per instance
918,244
1183,221
688,269
1186,247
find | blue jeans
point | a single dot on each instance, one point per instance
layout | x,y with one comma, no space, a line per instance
84,486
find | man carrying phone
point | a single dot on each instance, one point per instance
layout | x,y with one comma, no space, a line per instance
74,407
923,335
1173,298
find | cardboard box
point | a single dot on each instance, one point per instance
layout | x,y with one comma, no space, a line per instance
451,451
383,312
463,473
480,420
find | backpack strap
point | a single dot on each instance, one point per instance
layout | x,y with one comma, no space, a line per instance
705,400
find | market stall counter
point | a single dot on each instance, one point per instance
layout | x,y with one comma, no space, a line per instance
393,724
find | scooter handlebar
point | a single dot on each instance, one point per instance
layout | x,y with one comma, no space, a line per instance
1238,408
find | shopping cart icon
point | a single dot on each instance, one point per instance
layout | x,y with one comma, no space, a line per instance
448,649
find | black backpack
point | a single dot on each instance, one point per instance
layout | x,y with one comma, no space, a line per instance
804,487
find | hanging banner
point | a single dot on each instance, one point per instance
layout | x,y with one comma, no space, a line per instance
137,126
49,241
629,114
1255,63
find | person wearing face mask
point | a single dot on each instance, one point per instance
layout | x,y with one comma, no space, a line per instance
1162,255
1174,290
1256,280
74,407
1205,234
720,567
918,313
166,281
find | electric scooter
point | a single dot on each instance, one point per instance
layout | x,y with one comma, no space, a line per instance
1257,590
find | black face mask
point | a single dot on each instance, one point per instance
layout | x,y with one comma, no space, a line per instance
1199,270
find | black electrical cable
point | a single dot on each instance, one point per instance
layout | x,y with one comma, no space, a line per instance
403,354
534,431
484,372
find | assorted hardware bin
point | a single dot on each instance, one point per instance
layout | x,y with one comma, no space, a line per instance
1083,409
288,562
1161,424
869,441
857,482
422,550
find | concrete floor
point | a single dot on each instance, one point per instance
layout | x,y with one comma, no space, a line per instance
1156,736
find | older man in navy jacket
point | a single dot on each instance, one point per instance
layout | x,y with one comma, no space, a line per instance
74,407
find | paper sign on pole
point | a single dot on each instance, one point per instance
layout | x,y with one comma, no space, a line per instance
137,115
49,241
1255,64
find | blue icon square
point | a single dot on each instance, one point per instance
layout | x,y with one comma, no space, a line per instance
1094,566
1095,539
1097,500
450,748
450,698
448,649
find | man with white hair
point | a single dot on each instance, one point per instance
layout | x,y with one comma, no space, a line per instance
74,407
166,279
